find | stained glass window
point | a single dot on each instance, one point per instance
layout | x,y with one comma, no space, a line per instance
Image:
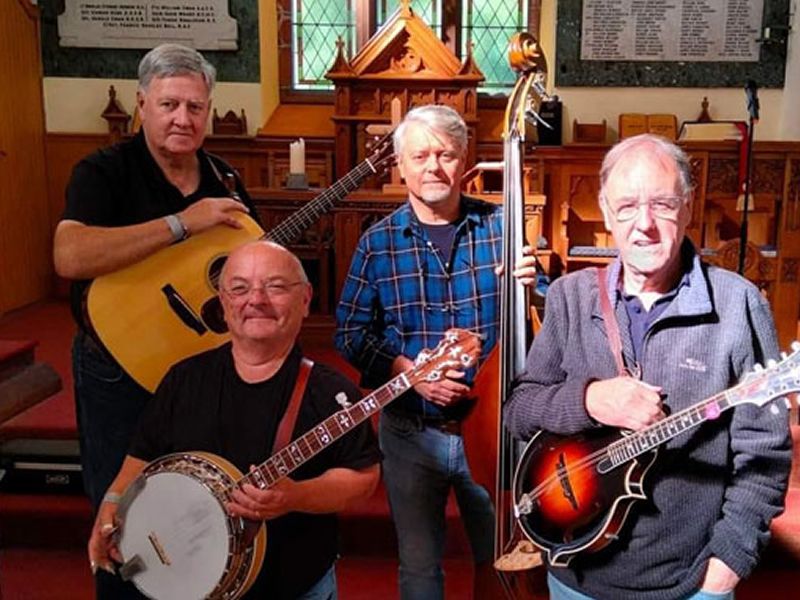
316,25
429,10
488,25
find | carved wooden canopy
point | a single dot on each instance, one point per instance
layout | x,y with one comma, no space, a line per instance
405,60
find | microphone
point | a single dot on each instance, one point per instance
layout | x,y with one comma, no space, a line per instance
751,90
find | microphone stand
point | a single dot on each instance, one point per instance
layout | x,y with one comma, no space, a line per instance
752,109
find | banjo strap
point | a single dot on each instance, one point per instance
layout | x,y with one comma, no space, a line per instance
286,426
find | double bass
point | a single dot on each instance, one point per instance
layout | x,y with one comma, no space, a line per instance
491,451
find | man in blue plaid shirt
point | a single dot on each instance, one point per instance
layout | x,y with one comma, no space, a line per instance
429,266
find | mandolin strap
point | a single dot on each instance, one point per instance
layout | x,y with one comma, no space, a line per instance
612,328
286,426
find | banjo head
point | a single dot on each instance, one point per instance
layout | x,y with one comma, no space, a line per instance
181,534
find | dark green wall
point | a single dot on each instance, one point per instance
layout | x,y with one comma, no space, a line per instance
240,65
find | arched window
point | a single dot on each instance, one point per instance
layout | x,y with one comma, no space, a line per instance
308,30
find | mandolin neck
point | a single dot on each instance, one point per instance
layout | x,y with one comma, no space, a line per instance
636,444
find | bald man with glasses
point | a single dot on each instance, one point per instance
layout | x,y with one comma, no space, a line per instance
229,401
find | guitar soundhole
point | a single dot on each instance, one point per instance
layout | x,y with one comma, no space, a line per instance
211,312
213,316
215,270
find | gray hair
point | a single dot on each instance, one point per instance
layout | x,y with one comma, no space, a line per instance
172,60
658,146
436,117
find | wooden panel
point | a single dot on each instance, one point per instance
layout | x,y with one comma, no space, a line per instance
63,151
25,235
568,176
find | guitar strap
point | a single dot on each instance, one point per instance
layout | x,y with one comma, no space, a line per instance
228,179
610,319
286,426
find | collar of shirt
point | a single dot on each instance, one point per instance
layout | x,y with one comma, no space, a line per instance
409,223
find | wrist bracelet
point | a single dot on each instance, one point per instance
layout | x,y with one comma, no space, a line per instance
112,498
177,228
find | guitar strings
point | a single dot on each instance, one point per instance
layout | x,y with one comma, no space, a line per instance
288,227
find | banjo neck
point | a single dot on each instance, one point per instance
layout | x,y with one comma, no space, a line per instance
314,441
458,349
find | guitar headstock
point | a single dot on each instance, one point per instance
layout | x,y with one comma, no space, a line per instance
765,384
381,153
459,349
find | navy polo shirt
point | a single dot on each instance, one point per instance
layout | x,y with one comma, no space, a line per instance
640,320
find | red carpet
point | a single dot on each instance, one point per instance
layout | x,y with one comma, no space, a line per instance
42,537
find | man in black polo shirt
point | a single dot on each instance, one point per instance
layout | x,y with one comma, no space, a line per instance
123,204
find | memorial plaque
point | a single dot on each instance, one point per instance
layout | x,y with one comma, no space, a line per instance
201,24
671,30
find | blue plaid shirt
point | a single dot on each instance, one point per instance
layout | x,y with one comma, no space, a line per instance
400,296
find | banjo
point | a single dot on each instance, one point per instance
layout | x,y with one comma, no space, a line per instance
176,538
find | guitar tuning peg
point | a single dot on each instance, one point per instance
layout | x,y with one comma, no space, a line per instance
771,363
784,356
796,346
757,367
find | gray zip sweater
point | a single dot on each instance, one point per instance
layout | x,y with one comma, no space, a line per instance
715,488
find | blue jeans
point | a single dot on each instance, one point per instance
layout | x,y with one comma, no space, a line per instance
107,405
559,591
324,589
420,466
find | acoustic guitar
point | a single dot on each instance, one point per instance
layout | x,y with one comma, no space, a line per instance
573,494
176,538
162,309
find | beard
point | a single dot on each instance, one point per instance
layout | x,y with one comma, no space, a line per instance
436,194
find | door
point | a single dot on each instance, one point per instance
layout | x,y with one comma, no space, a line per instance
25,230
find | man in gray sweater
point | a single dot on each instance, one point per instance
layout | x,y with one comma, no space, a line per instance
688,331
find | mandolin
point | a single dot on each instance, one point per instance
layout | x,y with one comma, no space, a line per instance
573,494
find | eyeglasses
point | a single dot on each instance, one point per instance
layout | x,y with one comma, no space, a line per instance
273,289
664,207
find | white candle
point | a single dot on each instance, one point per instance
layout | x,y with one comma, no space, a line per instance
396,109
302,156
294,157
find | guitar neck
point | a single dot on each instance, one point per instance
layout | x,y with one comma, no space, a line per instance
280,464
290,229
635,444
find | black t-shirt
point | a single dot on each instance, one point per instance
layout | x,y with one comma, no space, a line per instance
123,185
203,405
442,237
